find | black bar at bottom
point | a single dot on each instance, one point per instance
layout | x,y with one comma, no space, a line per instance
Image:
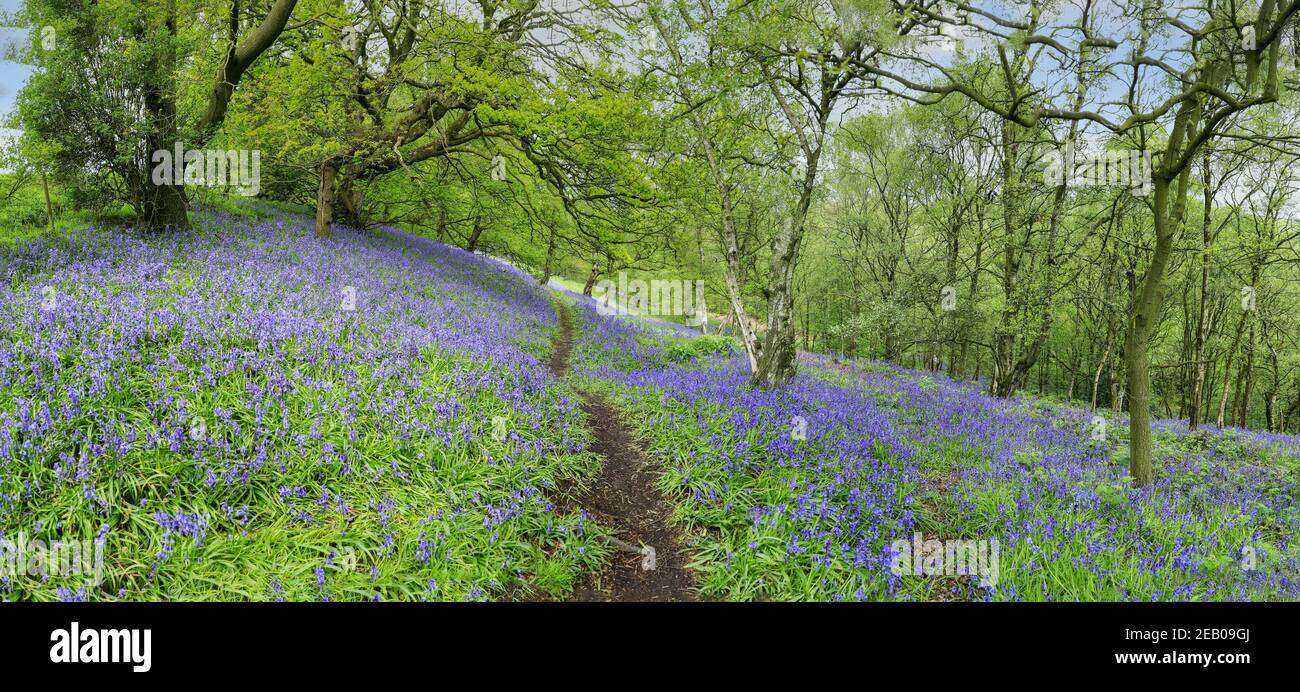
730,641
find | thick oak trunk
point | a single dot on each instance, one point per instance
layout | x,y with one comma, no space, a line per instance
163,206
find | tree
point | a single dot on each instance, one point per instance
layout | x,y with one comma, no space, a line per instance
106,91
1223,67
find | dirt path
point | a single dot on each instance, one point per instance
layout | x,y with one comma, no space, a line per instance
623,497
563,345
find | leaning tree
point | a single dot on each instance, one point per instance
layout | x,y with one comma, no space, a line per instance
1170,80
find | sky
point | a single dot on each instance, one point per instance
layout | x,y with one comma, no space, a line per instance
12,75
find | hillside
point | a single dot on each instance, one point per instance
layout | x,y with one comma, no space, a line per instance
243,412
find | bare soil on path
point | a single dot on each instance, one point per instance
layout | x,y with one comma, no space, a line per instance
624,498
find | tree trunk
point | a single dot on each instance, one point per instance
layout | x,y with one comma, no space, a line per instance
1204,323
1074,368
1272,397
349,201
164,205
1043,366
855,312
1142,317
735,297
472,243
325,199
1227,369
1096,379
49,208
969,303
776,362
1248,379
548,265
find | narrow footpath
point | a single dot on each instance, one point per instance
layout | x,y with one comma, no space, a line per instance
648,562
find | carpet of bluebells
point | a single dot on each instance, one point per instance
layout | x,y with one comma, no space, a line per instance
244,412
883,453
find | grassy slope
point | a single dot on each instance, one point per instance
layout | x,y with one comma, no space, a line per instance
203,403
